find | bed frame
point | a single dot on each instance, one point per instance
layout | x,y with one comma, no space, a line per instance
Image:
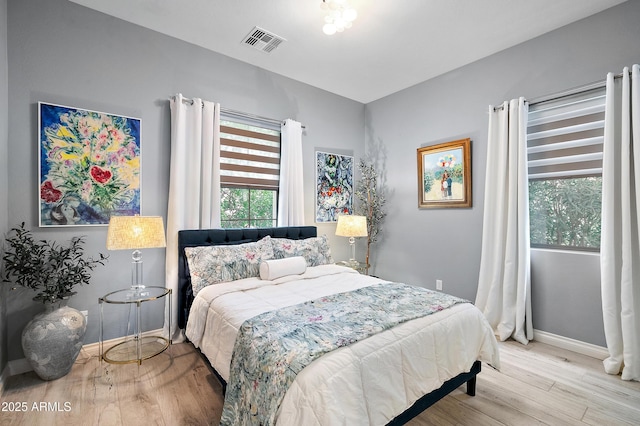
212,237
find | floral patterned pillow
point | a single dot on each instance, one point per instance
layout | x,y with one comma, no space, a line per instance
315,250
218,264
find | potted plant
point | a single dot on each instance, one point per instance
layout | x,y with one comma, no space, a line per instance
52,340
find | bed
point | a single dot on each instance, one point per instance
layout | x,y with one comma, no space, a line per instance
385,378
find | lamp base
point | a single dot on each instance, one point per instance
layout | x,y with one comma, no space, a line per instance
136,271
137,292
352,263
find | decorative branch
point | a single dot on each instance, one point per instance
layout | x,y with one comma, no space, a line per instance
371,203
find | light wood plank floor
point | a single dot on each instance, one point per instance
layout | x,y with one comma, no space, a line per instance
538,384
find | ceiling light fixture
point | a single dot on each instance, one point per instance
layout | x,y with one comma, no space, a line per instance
339,16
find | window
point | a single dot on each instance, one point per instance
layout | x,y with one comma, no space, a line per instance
249,174
564,147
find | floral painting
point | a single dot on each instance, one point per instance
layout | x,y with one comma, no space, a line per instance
89,166
334,186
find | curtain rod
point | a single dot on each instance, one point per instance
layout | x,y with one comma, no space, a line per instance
568,92
241,114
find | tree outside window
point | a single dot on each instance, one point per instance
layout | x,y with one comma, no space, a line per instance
566,212
248,207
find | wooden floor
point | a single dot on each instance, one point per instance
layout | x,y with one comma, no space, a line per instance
538,384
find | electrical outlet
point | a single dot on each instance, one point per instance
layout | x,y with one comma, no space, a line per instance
438,284
86,316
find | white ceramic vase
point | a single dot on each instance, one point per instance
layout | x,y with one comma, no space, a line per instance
52,340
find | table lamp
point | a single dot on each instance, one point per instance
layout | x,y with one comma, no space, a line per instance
352,226
135,233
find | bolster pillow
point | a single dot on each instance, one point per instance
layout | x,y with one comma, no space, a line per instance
276,268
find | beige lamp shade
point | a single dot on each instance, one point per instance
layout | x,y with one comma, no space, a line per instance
135,232
351,226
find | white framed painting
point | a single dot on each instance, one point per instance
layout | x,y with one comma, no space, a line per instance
334,186
89,166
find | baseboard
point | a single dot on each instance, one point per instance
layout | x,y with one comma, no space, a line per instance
18,366
22,365
3,378
573,345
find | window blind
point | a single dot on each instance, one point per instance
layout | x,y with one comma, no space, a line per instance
249,156
565,136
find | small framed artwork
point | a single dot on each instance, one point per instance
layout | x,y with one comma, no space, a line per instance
444,175
89,166
334,186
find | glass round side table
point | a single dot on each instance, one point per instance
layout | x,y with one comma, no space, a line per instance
361,267
139,346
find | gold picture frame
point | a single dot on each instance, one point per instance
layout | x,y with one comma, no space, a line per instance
444,175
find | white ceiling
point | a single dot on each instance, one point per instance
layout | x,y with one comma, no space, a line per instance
393,44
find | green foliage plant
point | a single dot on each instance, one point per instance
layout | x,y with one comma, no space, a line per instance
247,207
566,212
51,269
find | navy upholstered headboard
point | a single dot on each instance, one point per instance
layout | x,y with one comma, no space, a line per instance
213,237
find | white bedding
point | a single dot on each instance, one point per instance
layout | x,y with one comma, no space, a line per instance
367,383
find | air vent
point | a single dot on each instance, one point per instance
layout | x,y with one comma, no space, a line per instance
262,40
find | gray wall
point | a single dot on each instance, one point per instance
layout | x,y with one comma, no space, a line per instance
3,172
421,246
63,53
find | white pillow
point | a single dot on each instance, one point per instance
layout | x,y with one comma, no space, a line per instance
276,268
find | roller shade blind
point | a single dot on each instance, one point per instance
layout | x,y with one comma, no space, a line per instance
249,156
565,136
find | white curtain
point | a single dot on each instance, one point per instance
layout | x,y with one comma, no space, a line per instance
504,290
619,248
291,191
194,180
